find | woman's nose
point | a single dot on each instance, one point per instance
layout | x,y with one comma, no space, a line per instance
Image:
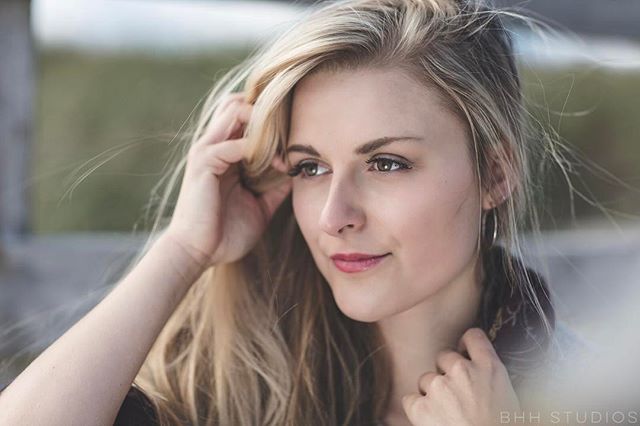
341,210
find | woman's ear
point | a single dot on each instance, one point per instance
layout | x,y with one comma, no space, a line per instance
501,180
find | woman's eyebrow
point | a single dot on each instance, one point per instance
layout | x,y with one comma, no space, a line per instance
365,148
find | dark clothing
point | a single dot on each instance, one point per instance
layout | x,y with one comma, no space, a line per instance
136,409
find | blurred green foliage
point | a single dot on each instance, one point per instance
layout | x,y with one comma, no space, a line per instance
90,107
596,113
120,113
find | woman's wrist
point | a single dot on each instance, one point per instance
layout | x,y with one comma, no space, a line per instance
186,263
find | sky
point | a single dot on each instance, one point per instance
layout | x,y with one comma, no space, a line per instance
179,27
164,26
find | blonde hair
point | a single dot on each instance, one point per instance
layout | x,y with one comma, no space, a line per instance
261,340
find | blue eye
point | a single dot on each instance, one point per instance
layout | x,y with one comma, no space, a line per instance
385,164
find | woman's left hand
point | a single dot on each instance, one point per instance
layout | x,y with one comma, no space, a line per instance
470,392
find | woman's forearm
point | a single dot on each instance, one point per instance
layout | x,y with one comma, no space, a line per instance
83,377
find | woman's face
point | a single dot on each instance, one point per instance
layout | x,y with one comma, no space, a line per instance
415,198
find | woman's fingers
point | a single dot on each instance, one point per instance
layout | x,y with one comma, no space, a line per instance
272,198
471,391
410,402
477,344
222,127
426,381
228,100
447,359
217,158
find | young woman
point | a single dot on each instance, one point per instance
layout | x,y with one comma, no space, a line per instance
344,249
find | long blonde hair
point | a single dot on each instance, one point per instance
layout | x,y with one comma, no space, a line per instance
261,340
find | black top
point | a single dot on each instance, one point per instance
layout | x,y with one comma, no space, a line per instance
136,409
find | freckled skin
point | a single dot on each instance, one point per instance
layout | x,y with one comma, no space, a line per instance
427,217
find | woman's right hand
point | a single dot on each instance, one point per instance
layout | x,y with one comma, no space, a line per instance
216,219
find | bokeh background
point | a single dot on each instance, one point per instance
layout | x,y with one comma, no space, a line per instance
95,93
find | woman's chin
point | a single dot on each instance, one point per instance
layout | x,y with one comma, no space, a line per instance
360,307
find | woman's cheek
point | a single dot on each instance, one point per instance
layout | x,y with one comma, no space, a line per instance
434,224
305,210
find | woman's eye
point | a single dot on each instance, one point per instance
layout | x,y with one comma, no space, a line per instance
386,164
312,169
309,169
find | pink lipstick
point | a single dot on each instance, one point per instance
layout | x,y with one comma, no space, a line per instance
356,262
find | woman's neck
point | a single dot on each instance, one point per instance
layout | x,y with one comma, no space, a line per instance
416,336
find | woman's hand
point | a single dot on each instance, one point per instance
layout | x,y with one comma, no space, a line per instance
216,219
470,392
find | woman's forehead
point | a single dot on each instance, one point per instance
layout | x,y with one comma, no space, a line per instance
364,105
374,86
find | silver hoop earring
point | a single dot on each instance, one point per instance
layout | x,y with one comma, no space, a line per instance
494,227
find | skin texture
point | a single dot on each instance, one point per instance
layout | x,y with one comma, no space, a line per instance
423,297
426,294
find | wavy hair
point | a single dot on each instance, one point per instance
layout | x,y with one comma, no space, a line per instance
261,340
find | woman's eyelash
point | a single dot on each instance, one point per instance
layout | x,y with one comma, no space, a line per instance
403,165
298,168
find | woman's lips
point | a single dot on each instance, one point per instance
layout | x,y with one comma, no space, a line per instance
352,266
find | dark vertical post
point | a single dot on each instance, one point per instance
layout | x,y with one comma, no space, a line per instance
16,112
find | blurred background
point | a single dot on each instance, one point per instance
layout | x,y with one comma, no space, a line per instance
94,92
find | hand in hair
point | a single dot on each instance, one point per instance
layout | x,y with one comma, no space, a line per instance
217,219
471,391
